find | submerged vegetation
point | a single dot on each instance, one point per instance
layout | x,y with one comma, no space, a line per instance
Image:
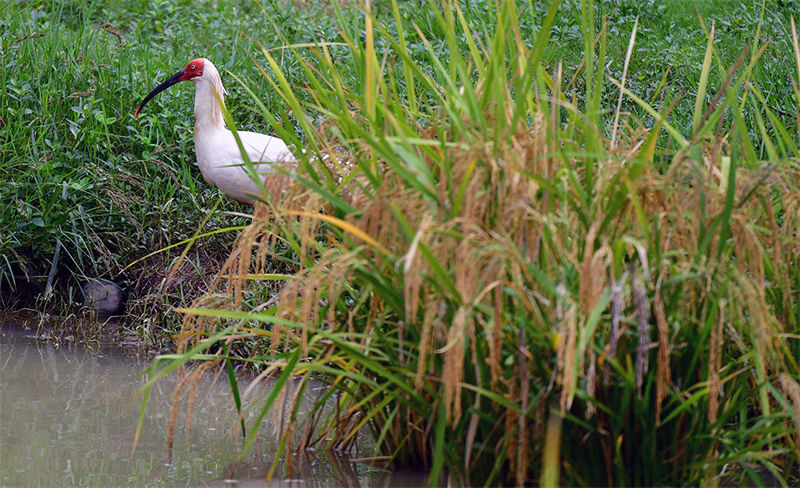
529,242
512,277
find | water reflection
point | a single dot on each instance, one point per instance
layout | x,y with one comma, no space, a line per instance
68,417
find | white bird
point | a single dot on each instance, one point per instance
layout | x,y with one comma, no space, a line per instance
218,155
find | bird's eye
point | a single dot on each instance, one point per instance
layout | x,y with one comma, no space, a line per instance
191,66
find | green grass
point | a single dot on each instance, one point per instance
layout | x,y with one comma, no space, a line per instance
670,45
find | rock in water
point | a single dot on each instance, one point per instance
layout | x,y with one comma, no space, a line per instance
103,296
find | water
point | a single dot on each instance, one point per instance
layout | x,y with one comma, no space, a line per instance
68,417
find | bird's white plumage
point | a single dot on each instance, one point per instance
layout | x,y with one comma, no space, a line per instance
218,155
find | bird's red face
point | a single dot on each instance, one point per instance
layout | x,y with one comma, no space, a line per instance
193,69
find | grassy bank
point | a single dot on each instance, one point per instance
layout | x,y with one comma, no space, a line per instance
86,189
514,270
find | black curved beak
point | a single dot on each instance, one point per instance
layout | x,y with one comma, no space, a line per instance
171,81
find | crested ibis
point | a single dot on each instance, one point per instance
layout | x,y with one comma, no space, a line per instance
218,155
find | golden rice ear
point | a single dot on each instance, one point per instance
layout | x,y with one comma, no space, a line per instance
663,375
187,382
196,328
790,386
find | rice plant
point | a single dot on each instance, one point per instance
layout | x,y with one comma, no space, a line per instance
507,284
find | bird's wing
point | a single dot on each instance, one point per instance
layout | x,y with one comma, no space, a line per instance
264,148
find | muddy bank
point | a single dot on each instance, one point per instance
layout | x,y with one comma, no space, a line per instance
133,309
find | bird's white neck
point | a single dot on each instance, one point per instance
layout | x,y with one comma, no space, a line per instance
209,92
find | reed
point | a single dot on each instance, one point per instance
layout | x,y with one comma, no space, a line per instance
507,284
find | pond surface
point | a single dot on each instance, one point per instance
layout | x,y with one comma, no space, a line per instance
68,417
